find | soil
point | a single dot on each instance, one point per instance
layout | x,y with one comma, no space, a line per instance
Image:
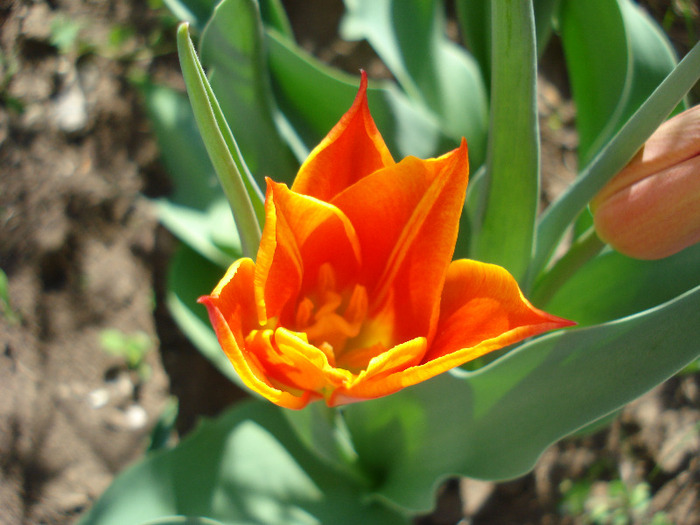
84,254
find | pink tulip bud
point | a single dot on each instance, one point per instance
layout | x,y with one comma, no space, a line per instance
651,209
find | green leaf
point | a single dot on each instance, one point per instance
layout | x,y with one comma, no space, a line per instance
189,277
616,56
505,233
244,467
196,12
612,158
274,17
613,285
6,309
196,200
235,178
232,51
475,21
314,97
494,423
410,37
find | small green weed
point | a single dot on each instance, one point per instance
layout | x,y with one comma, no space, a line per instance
132,347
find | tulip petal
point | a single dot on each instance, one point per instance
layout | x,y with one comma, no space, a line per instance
676,140
231,307
482,310
418,264
384,374
301,234
656,216
352,150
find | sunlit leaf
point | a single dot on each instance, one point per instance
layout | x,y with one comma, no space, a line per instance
503,232
196,198
246,467
232,52
616,56
240,189
494,423
613,285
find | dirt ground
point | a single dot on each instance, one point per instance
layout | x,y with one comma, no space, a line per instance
84,254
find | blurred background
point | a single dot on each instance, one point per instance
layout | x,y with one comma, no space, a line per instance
93,370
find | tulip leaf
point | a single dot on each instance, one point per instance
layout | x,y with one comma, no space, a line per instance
196,12
616,56
612,158
231,49
613,285
314,97
245,467
475,21
503,234
274,17
235,178
494,423
410,37
189,277
196,200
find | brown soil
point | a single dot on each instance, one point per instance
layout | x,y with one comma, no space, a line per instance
83,253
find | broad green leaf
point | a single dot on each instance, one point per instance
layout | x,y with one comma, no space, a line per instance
613,285
595,46
504,233
247,466
494,423
313,97
410,37
232,51
323,430
274,16
616,56
241,190
196,199
196,12
612,158
475,21
189,277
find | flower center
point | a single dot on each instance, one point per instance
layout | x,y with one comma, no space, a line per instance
336,322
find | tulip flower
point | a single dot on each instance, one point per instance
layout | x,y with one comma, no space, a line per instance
353,294
651,209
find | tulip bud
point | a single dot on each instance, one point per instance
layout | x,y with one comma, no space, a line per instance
651,209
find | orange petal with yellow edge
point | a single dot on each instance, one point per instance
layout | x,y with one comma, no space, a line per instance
352,150
231,305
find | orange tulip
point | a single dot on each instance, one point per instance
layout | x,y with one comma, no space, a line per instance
353,295
651,209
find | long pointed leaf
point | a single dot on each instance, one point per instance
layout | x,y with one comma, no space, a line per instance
232,51
239,187
505,234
